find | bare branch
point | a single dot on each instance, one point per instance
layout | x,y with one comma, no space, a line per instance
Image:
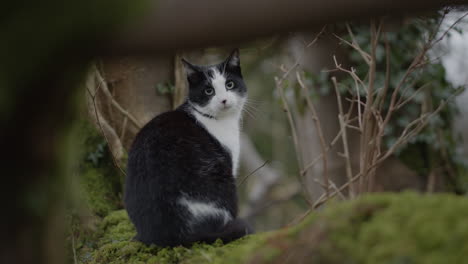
75,260
411,97
364,55
333,185
372,122
323,199
410,132
287,110
381,96
319,157
279,86
351,72
448,29
253,172
318,126
346,156
105,89
297,63
124,128
265,179
115,148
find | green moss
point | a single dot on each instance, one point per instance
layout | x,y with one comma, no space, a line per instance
99,182
113,244
95,189
97,192
433,230
384,228
236,252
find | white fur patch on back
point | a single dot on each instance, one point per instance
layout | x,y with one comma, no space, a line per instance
200,210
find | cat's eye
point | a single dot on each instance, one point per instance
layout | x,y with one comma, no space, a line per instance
209,91
230,85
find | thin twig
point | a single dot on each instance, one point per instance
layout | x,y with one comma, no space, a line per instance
292,126
93,98
106,91
332,185
415,64
373,122
411,97
448,29
351,72
358,94
355,45
318,127
75,260
323,199
419,124
316,159
381,97
274,200
349,172
298,219
368,139
253,172
297,63
279,86
124,128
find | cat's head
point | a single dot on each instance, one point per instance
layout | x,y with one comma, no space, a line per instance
217,90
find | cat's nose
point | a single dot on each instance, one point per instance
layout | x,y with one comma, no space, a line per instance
224,101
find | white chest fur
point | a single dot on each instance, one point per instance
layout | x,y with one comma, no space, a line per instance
227,132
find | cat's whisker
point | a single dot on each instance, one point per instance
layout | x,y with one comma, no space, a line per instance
252,108
255,103
244,109
249,104
254,100
249,113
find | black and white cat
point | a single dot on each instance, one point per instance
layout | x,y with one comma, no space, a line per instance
180,186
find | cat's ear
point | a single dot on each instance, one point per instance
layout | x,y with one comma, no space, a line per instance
192,71
233,59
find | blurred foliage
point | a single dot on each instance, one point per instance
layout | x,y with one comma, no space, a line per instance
164,88
96,190
385,228
379,228
45,50
435,145
102,188
62,36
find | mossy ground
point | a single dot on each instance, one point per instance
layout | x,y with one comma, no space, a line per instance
113,244
98,184
404,228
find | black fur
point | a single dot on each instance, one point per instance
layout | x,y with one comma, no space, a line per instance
173,156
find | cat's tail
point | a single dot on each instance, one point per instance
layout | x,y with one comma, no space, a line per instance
233,230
